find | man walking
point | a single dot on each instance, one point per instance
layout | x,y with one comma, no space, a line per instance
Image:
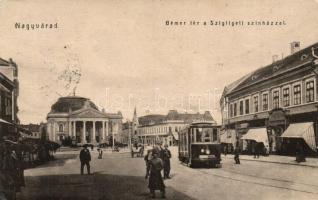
85,158
237,154
166,162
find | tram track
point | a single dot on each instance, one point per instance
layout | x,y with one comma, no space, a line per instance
274,179
202,171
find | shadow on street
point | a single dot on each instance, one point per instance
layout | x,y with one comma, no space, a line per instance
96,186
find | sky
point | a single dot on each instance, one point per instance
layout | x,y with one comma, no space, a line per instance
128,57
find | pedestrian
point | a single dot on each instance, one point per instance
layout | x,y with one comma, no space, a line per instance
100,153
147,158
155,165
300,153
85,158
166,162
257,149
225,149
254,147
237,155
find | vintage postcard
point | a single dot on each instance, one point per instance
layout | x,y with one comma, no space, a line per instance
138,99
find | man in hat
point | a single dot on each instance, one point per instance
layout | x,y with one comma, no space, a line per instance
155,165
85,158
166,162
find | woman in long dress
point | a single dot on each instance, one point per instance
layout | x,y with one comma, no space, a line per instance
155,165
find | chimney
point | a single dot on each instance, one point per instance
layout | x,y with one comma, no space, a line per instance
275,58
294,47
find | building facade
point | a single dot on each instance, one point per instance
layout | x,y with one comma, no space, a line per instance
262,105
9,92
81,120
165,128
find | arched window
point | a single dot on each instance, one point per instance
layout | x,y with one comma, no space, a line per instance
61,128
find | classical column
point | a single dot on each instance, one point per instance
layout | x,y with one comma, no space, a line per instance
70,128
54,131
107,128
84,133
103,131
74,129
93,140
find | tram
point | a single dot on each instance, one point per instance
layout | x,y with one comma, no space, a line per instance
199,144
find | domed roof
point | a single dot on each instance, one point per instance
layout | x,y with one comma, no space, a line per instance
71,103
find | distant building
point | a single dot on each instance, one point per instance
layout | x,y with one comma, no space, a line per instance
276,104
80,119
153,128
33,129
126,133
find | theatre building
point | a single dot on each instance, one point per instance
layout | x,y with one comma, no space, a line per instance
275,105
79,118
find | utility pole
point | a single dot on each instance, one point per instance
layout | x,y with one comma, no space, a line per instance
113,136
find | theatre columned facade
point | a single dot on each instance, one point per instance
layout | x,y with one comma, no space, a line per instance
80,119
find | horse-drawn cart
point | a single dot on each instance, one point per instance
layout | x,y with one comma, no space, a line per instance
139,151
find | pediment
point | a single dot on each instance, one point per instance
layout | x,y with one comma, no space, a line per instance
88,113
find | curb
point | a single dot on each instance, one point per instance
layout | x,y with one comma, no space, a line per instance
277,162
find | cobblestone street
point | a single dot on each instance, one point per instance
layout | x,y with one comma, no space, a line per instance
118,176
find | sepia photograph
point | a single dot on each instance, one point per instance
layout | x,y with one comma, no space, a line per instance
139,99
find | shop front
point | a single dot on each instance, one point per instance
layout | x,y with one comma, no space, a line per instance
276,125
299,137
257,138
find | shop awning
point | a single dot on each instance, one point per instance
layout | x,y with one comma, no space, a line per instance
257,134
4,121
228,136
302,130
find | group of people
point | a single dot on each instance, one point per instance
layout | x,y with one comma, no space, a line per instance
157,159
11,169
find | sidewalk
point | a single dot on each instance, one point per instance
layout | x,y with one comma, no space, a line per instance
287,160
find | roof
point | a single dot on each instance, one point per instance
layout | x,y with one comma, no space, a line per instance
82,107
151,119
4,80
4,62
298,58
70,104
173,115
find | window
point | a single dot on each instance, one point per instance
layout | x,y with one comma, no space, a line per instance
310,91
286,98
231,110
265,102
297,95
8,108
61,128
255,103
276,99
207,135
198,132
235,109
247,106
241,107
215,135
